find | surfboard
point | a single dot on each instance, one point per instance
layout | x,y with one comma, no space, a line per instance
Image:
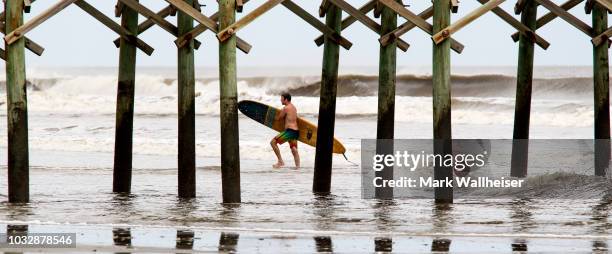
264,114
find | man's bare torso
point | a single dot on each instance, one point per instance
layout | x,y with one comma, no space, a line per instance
290,117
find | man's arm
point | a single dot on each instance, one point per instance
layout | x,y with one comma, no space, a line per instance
281,114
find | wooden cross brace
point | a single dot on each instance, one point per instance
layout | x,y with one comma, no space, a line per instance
34,22
18,33
569,18
418,21
348,21
145,25
519,26
296,9
206,22
404,28
368,22
112,25
29,44
232,29
157,19
316,23
464,21
181,41
549,17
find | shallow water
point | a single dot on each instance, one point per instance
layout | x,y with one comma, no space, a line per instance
71,179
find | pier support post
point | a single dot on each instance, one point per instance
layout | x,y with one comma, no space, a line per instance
601,93
442,99
186,110
122,170
524,80
386,98
230,157
327,105
17,108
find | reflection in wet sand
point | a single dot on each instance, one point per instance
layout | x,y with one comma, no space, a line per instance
324,211
519,245
122,237
383,244
184,239
521,214
228,242
442,219
601,213
440,245
323,244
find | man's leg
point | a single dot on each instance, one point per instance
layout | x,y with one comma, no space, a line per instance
280,162
296,155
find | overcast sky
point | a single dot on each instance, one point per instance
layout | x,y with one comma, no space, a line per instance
279,38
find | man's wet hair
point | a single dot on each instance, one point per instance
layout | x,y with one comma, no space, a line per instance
287,96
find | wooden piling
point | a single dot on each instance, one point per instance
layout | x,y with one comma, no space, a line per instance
186,111
386,98
601,92
122,171
17,110
442,99
524,80
327,105
230,158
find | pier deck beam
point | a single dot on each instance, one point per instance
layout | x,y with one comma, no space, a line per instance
524,81
230,157
186,110
386,97
122,170
601,92
442,99
17,110
327,105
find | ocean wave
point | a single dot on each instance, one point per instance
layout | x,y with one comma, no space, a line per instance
484,85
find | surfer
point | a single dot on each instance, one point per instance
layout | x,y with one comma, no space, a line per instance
290,134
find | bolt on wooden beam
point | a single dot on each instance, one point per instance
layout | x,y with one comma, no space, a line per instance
336,37
418,21
464,21
108,22
36,21
550,16
30,45
368,22
404,28
207,22
227,32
